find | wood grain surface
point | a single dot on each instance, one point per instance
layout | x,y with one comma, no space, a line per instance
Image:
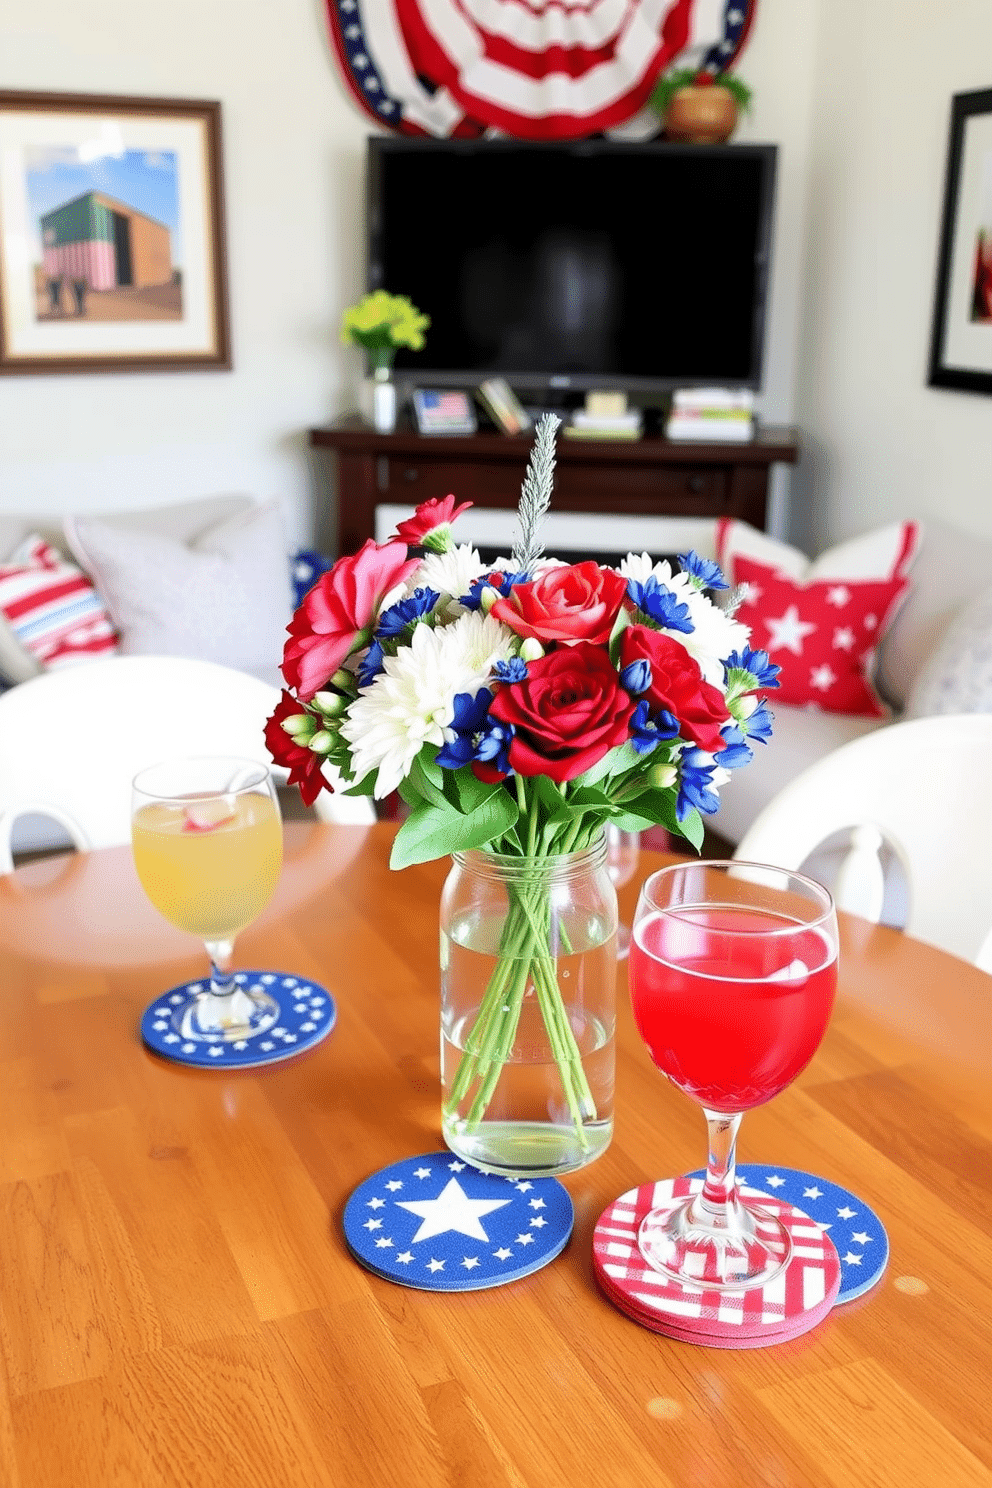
178,1307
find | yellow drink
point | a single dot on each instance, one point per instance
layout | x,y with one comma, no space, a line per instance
209,864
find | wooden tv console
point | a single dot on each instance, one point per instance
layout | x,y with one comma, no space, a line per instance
644,477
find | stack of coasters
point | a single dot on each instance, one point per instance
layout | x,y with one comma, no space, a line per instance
857,1232
787,1306
306,1014
436,1223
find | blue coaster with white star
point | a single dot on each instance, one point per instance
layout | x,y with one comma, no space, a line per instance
857,1232
436,1223
304,1013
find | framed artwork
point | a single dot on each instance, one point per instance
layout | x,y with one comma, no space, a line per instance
112,254
961,344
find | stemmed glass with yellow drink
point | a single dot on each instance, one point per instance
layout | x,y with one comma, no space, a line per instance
207,839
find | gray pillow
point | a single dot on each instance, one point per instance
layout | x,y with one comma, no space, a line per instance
224,595
958,676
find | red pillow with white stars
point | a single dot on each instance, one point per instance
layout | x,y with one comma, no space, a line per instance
820,621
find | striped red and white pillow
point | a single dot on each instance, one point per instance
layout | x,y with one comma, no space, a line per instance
52,608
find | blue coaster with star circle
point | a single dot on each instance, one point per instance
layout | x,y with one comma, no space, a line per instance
438,1224
856,1231
305,1014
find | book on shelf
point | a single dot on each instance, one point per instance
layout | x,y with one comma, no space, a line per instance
711,414
585,425
503,405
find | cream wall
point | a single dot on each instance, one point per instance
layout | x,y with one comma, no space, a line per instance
860,179
881,443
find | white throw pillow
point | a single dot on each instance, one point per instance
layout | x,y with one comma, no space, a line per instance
222,596
958,676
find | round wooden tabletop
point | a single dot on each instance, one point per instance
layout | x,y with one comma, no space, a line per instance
178,1306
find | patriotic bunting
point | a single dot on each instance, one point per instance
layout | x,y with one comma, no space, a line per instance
531,69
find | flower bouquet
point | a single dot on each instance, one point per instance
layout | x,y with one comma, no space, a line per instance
518,709
381,322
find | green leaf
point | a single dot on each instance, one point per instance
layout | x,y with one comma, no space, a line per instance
624,618
469,792
422,780
556,807
432,832
692,828
428,763
363,787
614,762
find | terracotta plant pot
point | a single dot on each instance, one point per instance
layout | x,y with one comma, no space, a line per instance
703,116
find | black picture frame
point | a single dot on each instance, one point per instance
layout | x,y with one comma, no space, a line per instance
961,337
85,315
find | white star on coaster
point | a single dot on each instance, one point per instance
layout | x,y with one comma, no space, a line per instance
788,632
774,1181
268,1046
862,1238
241,1044
536,1203
470,1262
376,1204
394,1184
456,1166
372,1224
838,596
525,1239
843,638
421,1172
523,1187
160,1027
502,1254
307,1027
539,1222
846,1213
852,1260
406,1256
451,1210
215,1051
383,1242
189,1048
433,1265
171,1038
813,1193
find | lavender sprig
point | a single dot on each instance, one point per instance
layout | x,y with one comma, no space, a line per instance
535,494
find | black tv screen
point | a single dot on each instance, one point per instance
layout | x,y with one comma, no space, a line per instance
580,265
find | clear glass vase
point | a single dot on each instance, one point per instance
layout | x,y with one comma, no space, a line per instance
528,1010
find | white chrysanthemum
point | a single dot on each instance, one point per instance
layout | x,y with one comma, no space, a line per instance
411,702
451,574
714,636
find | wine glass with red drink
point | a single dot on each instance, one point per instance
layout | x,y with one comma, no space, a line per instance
733,971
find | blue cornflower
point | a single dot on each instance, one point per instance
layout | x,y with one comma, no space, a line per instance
736,752
759,725
659,603
477,736
647,732
755,664
514,670
370,665
705,573
696,784
404,612
636,677
495,579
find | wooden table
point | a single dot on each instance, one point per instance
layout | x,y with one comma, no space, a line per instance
177,1305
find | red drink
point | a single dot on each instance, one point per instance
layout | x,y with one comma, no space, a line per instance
731,1002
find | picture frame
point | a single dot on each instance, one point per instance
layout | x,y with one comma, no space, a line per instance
961,338
112,238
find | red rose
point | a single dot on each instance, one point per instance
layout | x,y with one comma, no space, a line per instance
302,763
576,603
677,685
342,604
568,712
429,516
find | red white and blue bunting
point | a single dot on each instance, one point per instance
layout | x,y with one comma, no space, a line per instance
531,69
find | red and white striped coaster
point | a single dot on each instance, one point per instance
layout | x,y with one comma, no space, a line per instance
790,1304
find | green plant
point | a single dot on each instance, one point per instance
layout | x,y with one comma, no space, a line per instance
686,77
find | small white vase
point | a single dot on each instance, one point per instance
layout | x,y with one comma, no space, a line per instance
383,401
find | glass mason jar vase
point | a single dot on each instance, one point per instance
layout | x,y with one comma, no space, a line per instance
528,1010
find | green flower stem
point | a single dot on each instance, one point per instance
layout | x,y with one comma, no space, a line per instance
524,956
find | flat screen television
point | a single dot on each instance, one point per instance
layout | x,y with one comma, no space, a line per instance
569,266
